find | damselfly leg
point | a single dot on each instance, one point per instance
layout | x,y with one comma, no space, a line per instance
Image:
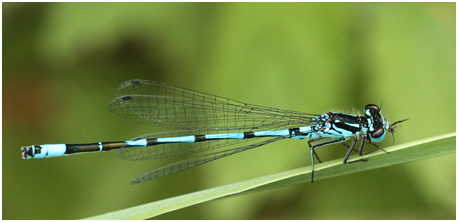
313,147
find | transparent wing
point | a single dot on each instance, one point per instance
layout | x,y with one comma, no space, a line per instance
195,161
159,104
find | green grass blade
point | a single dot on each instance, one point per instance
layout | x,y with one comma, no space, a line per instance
402,153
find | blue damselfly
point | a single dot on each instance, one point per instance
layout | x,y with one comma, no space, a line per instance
209,122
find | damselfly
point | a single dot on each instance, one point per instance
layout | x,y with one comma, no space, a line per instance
210,122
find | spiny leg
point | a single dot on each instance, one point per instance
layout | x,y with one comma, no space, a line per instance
312,148
360,151
310,145
348,146
361,147
350,149
378,148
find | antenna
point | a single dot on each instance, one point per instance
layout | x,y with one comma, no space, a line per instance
393,126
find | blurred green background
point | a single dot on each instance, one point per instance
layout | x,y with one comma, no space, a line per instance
62,62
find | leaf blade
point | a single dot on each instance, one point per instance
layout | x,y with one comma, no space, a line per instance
426,148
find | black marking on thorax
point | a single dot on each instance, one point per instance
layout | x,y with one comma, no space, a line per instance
343,121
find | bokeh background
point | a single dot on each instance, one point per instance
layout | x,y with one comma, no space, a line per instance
62,62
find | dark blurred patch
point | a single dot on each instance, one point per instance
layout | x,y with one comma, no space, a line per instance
22,20
27,102
132,53
21,16
274,208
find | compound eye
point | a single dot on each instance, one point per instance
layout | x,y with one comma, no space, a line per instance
371,110
377,133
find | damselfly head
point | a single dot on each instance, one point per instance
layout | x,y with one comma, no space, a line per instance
393,126
378,124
